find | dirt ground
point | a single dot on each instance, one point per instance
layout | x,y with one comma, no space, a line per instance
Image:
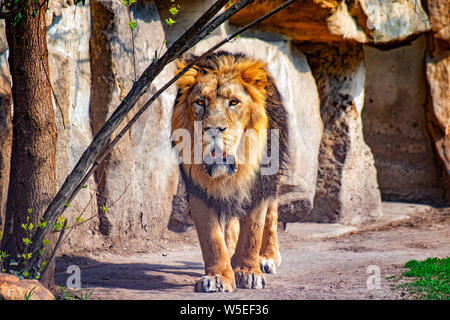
316,264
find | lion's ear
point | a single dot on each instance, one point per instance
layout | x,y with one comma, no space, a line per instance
255,75
189,78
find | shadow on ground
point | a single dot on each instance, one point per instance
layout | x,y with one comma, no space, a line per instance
137,276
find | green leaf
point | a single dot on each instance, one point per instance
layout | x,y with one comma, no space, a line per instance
170,21
45,242
132,24
104,209
26,241
42,225
79,220
85,186
173,10
30,210
26,256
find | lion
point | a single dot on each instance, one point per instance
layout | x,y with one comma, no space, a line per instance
233,204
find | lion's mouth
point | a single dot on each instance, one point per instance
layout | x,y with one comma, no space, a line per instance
218,163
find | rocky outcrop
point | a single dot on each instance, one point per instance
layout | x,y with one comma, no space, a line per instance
12,288
363,21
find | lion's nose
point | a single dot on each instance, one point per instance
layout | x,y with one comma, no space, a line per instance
214,131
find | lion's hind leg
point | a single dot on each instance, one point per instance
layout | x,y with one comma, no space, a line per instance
269,255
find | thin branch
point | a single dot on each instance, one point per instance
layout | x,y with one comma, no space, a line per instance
120,197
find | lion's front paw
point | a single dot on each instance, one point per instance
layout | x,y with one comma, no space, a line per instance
250,280
215,283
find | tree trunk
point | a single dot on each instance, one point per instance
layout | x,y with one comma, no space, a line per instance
32,182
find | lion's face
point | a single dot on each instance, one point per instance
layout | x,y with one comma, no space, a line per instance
222,105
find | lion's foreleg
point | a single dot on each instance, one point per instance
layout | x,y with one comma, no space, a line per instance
231,235
219,275
245,260
270,257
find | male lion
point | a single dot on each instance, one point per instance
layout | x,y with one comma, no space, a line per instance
233,200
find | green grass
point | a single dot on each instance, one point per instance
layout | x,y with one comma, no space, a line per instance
430,279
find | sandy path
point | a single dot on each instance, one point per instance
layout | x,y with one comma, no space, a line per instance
332,268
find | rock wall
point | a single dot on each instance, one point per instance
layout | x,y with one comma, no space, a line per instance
347,188
395,124
438,77
362,21
139,178
68,35
363,121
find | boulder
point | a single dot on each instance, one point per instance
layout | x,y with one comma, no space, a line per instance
12,288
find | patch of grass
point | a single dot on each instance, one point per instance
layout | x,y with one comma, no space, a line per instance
430,279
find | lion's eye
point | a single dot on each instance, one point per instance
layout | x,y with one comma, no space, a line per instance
234,102
200,102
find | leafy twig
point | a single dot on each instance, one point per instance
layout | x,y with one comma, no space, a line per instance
58,243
